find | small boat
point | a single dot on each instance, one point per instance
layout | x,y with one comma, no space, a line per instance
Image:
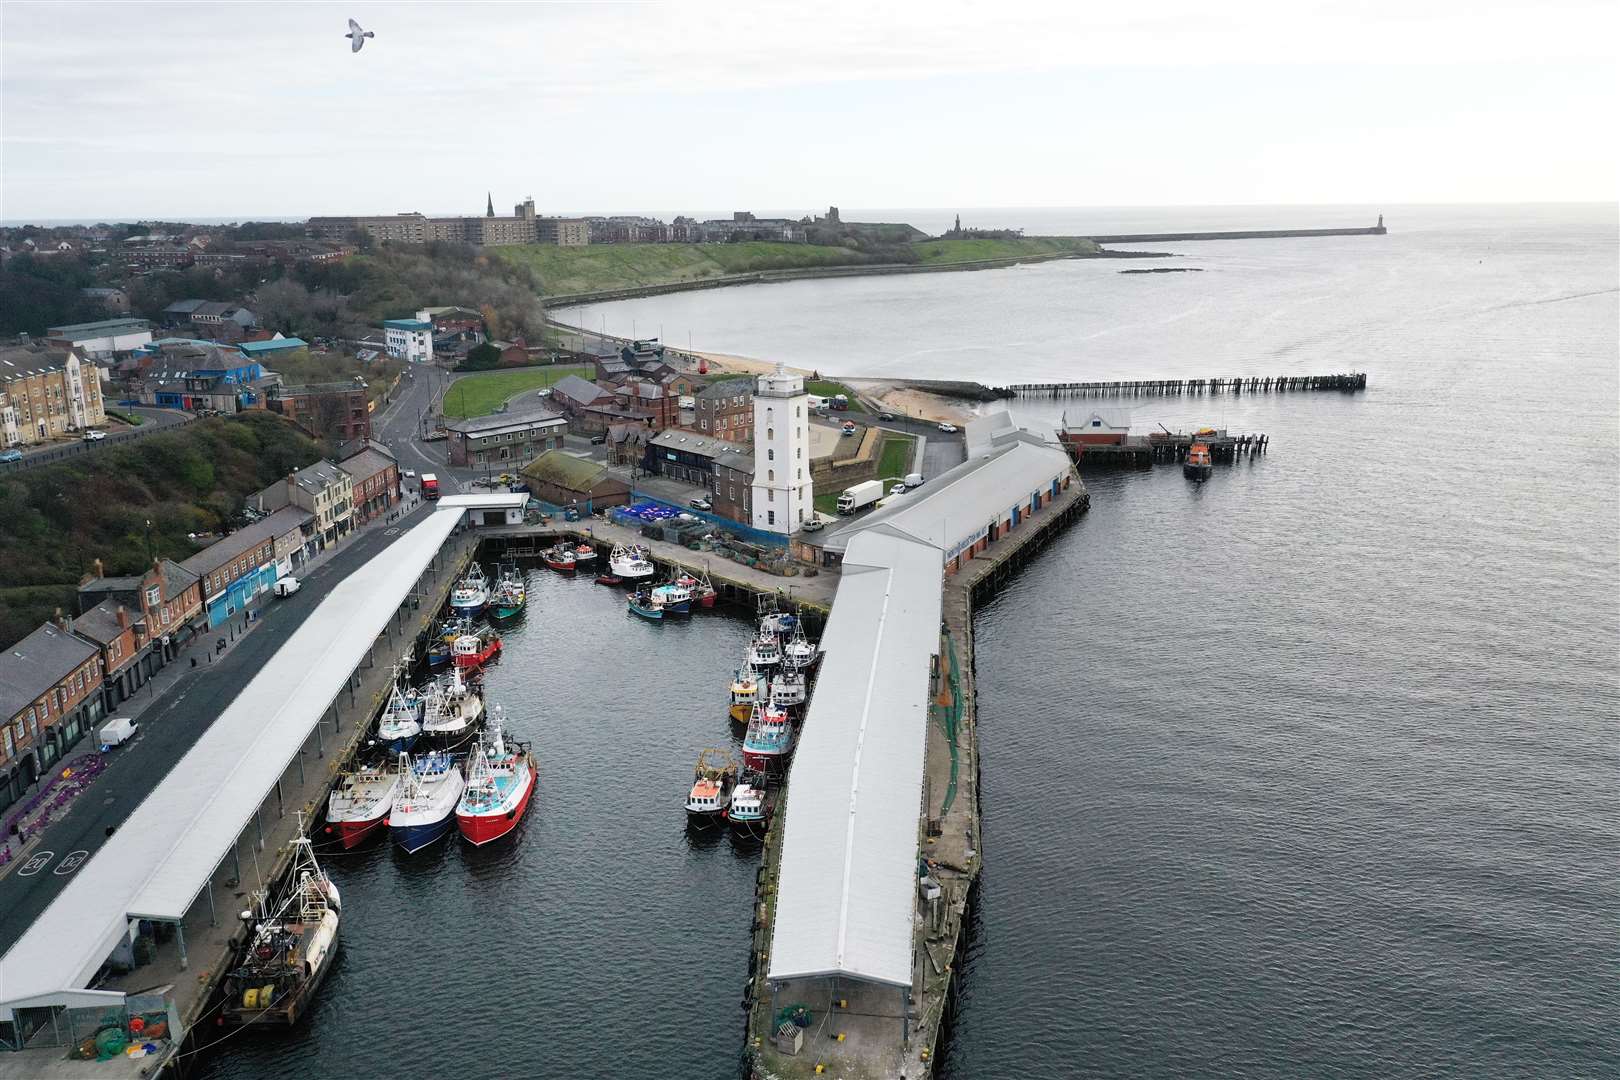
500,785
788,688
1198,465
773,621
438,656
673,597
769,739
799,653
609,579
471,594
584,553
744,693
748,814
641,602
630,563
428,793
559,557
703,592
452,712
401,720
290,948
712,782
477,649
360,803
510,596
765,651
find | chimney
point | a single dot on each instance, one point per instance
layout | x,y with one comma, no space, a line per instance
97,565
63,623
123,618
292,486
157,566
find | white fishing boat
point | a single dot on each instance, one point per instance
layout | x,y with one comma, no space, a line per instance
712,782
425,808
765,651
360,803
799,652
630,563
453,711
748,813
788,688
401,721
471,594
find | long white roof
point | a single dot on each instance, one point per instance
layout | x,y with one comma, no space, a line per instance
163,855
847,890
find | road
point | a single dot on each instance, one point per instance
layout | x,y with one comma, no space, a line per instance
155,420
168,728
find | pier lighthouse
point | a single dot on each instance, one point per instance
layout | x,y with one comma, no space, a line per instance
783,495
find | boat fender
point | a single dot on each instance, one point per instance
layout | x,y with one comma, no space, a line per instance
250,998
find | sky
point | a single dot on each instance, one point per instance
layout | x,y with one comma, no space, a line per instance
222,110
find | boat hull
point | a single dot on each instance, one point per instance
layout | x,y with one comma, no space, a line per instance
351,834
1196,472
609,579
762,762
401,744
418,835
706,818
753,827
468,609
647,612
508,612
741,713
480,658
480,829
288,1012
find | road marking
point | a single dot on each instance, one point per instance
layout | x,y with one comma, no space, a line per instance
36,864
71,861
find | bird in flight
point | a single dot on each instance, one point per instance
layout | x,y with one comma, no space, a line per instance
357,37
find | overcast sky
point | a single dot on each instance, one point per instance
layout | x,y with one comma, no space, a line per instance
127,110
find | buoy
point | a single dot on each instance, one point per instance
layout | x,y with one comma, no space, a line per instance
820,1068
840,1036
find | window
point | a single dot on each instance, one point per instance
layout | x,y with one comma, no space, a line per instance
770,494
11,748
770,517
770,433
801,474
770,455
152,596
798,452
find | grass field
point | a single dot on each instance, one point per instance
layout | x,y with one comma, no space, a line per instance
970,250
481,394
622,266
827,501
896,457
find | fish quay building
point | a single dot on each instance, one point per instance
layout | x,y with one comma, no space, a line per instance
217,825
870,866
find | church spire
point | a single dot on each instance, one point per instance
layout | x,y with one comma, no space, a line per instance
491,211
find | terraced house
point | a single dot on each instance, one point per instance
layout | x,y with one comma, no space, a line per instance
50,695
244,564
374,476
46,392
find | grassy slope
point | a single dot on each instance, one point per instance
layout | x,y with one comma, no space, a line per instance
896,458
58,518
952,251
621,266
479,395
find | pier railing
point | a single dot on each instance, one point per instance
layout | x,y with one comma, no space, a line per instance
1253,384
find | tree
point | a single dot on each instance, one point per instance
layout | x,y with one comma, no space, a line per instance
481,358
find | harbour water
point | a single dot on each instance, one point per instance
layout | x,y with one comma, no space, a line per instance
601,940
1306,771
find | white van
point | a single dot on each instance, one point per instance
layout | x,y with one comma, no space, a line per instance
286,586
118,731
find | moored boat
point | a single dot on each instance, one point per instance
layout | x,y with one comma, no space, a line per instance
748,814
673,597
799,652
584,553
703,591
471,594
772,620
510,595
401,720
290,948
609,579
769,739
452,712
500,786
360,803
712,782
424,809
788,688
744,693
476,649
641,603
765,651
559,557
1198,465
630,563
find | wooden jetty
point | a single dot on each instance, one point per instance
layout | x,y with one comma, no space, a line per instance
1277,384
1144,451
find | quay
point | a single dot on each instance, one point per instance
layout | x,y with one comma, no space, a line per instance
869,868
217,827
1251,384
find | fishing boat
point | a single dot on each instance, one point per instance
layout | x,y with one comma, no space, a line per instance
1198,465
290,948
673,597
401,720
799,652
641,602
744,693
765,651
500,785
703,592
609,579
438,656
429,790
471,594
584,553
360,803
772,620
712,781
511,596
748,814
452,711
559,557
630,563
769,739
788,688
476,649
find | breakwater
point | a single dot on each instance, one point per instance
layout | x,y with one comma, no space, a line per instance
1279,384
1245,234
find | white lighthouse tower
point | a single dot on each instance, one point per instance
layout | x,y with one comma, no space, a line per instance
783,496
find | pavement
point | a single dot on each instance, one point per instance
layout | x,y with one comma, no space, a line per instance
153,420
174,709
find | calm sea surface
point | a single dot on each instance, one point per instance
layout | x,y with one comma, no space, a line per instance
1307,772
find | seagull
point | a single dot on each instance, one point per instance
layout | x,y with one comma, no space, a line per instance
357,37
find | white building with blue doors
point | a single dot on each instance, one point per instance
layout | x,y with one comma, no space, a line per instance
244,564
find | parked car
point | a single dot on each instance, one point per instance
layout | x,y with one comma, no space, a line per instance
814,525
885,416
849,427
544,393
701,504
598,440
92,435
11,455
409,474
897,488
949,429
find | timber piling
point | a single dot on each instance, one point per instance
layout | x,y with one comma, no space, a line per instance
1348,382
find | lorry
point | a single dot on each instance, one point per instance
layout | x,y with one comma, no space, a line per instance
865,493
840,401
430,486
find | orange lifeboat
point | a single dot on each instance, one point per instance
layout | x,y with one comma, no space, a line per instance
1198,465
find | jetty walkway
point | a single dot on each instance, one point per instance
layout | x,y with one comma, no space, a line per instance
1347,382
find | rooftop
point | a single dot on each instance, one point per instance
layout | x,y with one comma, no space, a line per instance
99,329
32,359
702,445
407,324
183,307
565,470
578,390
726,388
506,421
255,348
35,664
366,464
100,623
245,539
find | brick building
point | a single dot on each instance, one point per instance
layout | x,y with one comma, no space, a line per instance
46,392
374,474
725,410
336,411
50,695
505,440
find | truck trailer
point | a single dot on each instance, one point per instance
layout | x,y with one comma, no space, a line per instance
865,493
